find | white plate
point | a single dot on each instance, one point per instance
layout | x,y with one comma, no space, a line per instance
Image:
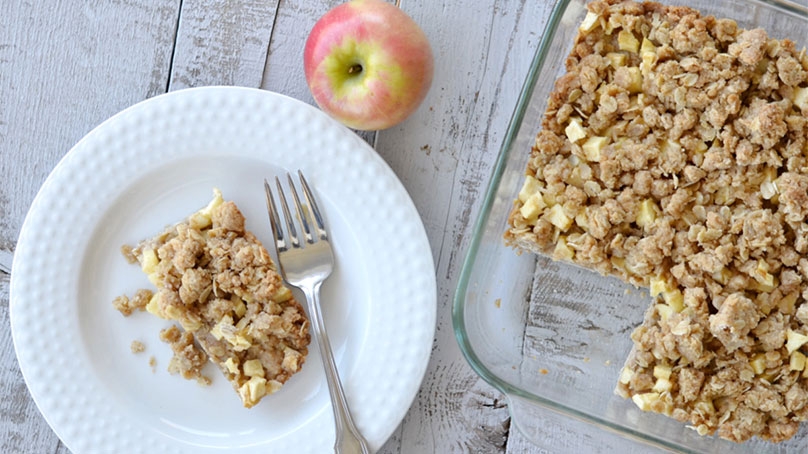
150,166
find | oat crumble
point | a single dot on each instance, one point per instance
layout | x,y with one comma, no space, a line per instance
673,155
137,347
216,280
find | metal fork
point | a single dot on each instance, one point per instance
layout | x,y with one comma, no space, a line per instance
305,265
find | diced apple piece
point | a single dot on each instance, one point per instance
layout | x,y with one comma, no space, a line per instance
282,294
665,312
657,285
562,250
153,306
582,221
662,371
723,276
647,46
801,97
635,76
662,385
558,218
529,187
646,400
649,59
675,299
617,59
575,130
240,309
231,366
253,390
533,207
625,375
647,213
794,341
593,146
764,279
796,361
589,23
149,261
253,368
155,279
758,363
202,218
619,263
626,41
789,302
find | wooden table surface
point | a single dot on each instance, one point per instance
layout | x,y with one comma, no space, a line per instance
67,66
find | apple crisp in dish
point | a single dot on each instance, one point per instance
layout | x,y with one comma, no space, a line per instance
673,155
217,281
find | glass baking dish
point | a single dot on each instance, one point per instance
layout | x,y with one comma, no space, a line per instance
551,336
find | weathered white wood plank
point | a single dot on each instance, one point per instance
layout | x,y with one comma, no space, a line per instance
222,42
284,66
64,68
22,428
89,60
557,434
482,50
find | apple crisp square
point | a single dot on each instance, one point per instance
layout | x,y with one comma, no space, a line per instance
216,280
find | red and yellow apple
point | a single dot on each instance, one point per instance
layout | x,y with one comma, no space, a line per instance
368,64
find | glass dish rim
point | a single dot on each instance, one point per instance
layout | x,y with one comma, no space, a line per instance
458,303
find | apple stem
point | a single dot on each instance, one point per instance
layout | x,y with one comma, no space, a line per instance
355,69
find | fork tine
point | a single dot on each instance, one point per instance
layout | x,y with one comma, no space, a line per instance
290,222
313,208
277,230
302,214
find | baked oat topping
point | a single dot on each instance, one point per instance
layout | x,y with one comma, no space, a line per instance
216,280
673,155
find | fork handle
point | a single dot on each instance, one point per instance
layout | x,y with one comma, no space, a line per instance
348,439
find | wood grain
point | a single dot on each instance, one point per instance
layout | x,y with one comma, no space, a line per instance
283,72
64,68
222,43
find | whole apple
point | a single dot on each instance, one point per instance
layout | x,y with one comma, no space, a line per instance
368,64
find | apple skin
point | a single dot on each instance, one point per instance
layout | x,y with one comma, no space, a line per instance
368,64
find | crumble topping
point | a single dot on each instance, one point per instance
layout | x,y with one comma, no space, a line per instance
673,155
216,280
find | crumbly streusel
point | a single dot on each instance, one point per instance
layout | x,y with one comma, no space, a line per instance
219,283
673,155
